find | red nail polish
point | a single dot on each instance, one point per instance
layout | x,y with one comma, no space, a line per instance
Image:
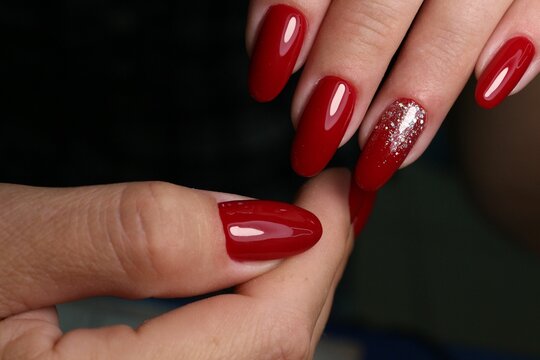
504,72
389,143
322,125
266,230
360,206
276,50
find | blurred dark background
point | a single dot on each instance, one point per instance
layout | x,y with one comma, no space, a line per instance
98,92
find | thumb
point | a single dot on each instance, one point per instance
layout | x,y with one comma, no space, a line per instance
137,240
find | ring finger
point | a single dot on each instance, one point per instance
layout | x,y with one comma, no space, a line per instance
430,72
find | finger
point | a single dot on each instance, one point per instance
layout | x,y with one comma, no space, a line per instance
431,70
299,288
38,326
260,323
279,36
509,60
322,320
137,240
352,51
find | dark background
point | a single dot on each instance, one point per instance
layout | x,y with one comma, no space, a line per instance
101,92
98,92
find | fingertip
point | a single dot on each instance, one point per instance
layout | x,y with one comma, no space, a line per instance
326,195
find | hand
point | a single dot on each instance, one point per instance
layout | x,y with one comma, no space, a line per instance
347,46
160,240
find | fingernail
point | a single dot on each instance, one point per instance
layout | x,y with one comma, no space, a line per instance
361,204
266,230
389,143
504,72
276,51
322,125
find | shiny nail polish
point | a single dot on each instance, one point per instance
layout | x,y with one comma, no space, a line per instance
322,125
504,72
276,51
361,204
266,230
389,143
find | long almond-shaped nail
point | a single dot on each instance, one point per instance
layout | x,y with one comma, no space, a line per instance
361,204
504,72
276,51
266,230
322,125
389,143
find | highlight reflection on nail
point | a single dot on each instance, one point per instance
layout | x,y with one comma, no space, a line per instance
504,71
389,144
322,125
276,50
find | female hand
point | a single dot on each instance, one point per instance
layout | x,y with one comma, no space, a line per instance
159,240
347,46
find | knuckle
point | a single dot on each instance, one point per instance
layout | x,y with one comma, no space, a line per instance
447,48
370,23
451,45
140,230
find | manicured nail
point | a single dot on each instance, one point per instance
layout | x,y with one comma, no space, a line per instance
361,204
504,72
389,144
276,50
266,230
322,125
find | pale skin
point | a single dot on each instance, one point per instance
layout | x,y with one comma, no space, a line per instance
446,42
161,240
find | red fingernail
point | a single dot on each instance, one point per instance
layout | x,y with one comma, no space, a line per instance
504,72
361,204
322,125
276,50
389,144
266,230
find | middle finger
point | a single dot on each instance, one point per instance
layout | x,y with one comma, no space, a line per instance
436,60
351,53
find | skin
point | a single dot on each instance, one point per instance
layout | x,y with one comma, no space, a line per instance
161,240
446,42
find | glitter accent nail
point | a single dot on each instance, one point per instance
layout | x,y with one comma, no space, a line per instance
390,142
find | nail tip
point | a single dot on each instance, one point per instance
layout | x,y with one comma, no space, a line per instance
484,103
363,181
305,172
259,95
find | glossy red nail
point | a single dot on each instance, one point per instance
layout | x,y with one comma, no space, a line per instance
276,50
322,125
266,230
389,144
361,204
504,72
